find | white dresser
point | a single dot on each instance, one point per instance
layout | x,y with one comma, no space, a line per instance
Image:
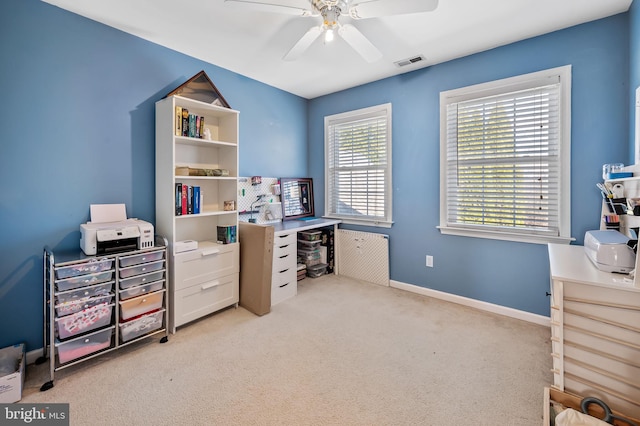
595,330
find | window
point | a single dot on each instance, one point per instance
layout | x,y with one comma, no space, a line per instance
505,158
358,166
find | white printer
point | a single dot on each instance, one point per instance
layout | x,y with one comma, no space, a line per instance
110,231
110,237
609,252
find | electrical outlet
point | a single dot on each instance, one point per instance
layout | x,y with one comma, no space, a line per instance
430,261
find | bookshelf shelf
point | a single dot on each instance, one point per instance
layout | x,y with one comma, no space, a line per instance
191,292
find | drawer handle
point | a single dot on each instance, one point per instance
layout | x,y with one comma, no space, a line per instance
208,286
210,252
284,246
282,257
283,285
284,270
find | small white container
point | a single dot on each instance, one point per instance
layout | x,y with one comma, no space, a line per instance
74,306
84,345
140,326
139,290
145,268
84,268
140,305
141,279
84,321
84,292
84,280
141,258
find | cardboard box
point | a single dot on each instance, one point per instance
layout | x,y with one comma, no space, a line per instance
256,260
11,384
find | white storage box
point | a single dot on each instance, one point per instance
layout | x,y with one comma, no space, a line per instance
12,374
84,345
141,269
84,268
140,305
84,321
141,279
139,290
83,280
137,327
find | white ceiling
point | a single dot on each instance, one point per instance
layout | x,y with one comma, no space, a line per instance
252,42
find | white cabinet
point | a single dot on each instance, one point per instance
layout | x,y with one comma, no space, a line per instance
203,280
595,331
284,281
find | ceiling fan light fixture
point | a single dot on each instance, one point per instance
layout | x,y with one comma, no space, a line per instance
328,35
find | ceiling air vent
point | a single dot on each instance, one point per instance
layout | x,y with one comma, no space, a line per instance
409,61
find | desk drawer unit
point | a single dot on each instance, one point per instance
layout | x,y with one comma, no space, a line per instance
596,343
283,280
206,280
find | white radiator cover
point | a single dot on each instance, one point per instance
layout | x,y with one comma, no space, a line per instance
363,256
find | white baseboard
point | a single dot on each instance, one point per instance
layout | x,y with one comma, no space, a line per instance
484,306
33,355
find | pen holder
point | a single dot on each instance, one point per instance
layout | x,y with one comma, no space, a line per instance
617,205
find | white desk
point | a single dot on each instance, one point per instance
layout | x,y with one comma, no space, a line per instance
595,331
288,226
268,261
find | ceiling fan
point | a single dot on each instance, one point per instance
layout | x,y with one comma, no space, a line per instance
331,10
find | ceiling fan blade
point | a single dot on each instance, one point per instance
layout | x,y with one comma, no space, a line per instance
303,44
378,8
359,43
272,7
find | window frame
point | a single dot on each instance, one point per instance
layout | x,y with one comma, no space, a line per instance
382,110
505,86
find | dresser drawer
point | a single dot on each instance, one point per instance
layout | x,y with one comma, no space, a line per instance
196,301
284,285
204,265
284,241
284,261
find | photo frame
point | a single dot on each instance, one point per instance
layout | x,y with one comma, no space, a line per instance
296,196
201,88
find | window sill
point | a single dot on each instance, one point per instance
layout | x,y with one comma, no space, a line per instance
521,238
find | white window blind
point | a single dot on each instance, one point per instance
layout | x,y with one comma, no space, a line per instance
504,161
358,165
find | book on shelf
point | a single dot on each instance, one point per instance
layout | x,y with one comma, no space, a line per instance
178,199
227,234
190,199
178,121
185,190
196,200
198,118
185,122
192,126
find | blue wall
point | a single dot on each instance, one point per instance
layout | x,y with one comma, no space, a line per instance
78,126
505,273
78,120
634,70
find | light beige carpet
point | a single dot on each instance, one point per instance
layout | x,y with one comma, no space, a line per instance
341,352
